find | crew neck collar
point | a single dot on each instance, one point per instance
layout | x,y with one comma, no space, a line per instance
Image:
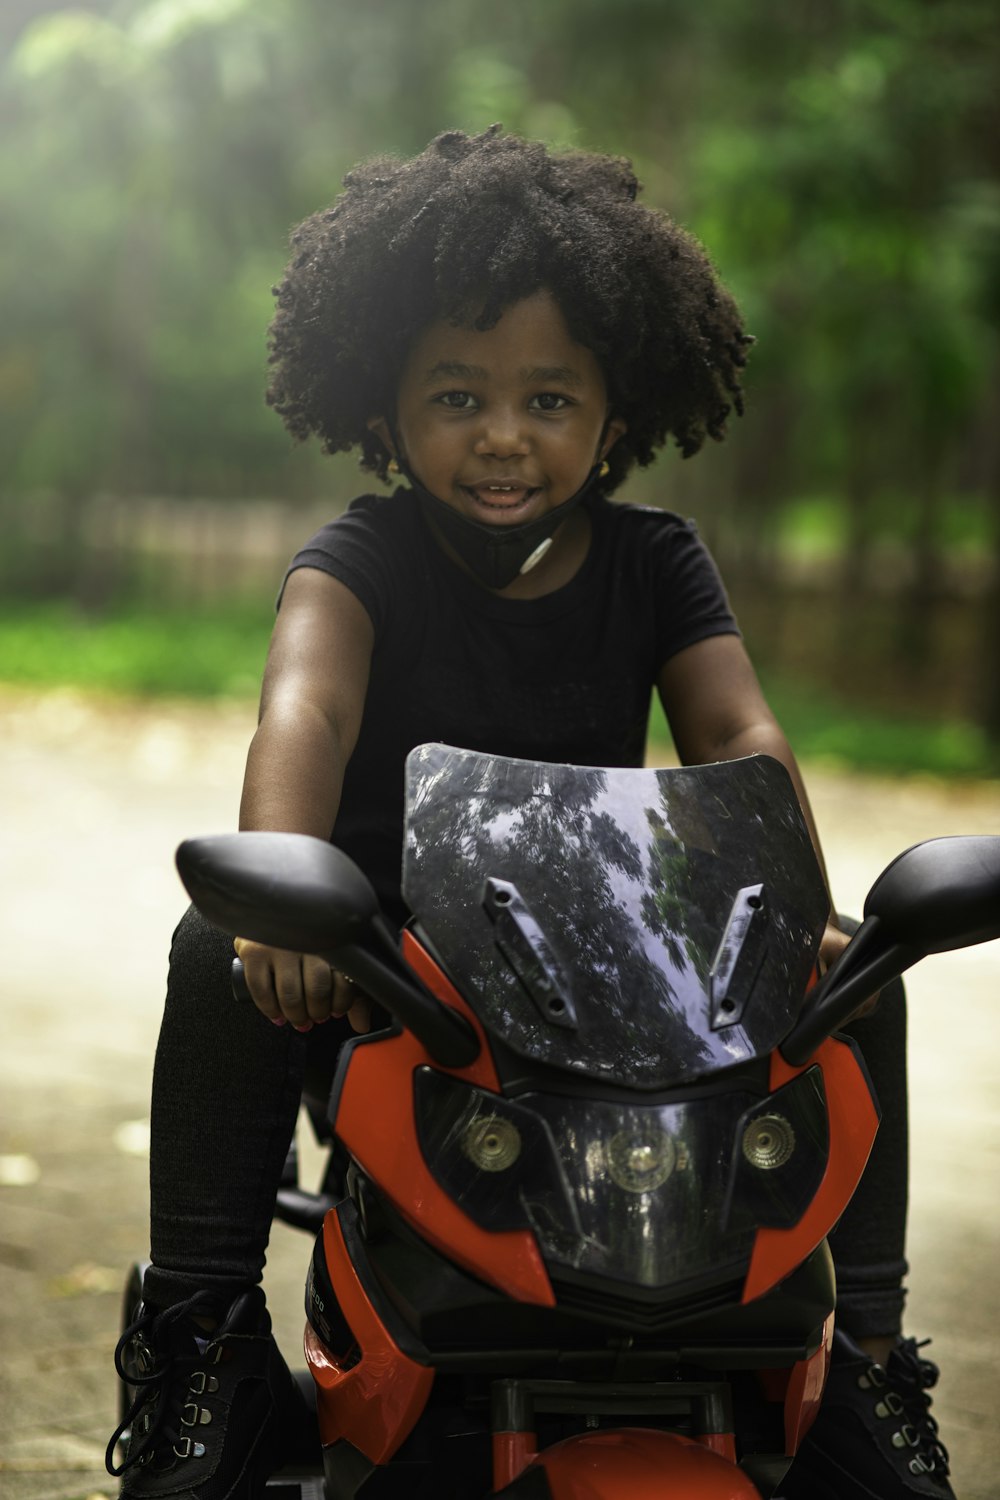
543,606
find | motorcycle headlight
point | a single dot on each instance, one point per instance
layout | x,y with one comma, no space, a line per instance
488,1153
642,1159
780,1154
646,1194
492,1143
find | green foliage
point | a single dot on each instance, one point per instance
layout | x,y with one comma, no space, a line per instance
838,158
825,727
816,525
822,728
183,652
835,159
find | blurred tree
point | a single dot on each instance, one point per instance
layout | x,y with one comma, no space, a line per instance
838,158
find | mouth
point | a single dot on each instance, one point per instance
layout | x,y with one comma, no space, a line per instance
500,499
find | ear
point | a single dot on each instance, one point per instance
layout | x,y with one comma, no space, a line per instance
616,428
383,432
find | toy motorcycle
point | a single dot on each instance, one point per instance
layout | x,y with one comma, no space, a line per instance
593,1157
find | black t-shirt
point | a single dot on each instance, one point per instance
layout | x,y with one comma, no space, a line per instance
567,677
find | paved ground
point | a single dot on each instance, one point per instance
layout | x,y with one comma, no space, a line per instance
92,804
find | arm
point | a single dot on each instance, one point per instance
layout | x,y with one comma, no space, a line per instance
312,700
717,711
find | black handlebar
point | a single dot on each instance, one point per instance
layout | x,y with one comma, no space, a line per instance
860,971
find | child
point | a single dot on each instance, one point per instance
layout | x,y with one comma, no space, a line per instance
511,331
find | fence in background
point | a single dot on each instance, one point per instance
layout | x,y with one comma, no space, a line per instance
105,550
875,641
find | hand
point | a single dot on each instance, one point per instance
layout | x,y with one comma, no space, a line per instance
300,988
831,947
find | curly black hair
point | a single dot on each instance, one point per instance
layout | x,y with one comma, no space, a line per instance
463,231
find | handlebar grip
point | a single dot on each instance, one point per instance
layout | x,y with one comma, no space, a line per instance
241,990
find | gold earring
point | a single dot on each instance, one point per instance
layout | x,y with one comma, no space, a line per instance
393,467
604,470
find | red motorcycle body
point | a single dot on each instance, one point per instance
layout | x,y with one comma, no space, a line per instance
594,1256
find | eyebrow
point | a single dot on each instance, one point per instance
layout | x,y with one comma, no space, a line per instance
455,370
557,374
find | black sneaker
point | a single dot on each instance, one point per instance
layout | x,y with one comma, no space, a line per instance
213,1414
874,1438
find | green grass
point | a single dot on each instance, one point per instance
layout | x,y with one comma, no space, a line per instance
820,728
193,654
221,653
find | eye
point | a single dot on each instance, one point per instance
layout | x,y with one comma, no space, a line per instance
456,400
550,401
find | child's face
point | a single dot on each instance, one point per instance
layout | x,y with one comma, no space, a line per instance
503,425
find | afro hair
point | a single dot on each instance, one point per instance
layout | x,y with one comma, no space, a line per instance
464,230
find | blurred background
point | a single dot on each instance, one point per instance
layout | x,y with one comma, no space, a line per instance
839,159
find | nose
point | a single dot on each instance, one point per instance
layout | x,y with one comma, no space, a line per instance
502,432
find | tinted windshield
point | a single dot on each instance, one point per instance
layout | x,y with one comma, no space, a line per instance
635,926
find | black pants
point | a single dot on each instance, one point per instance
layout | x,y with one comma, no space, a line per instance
226,1090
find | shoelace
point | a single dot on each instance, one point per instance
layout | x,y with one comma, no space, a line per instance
911,1376
163,1402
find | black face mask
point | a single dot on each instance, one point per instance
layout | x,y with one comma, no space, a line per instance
496,555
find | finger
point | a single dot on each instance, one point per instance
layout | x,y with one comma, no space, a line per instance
259,977
868,1008
360,1013
350,1000
344,994
289,988
832,944
317,983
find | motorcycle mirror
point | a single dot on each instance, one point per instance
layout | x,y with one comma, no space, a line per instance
284,889
289,890
937,896
940,895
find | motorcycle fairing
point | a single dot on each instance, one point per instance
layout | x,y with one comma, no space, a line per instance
631,1463
386,1142
644,927
391,1146
800,1389
375,1401
383,1140
853,1123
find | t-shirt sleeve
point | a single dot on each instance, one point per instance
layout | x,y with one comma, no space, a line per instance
352,550
690,597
